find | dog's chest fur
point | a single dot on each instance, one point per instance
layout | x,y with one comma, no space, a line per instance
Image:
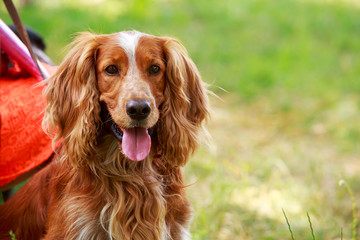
124,205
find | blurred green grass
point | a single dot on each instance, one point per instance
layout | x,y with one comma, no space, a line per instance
244,46
287,129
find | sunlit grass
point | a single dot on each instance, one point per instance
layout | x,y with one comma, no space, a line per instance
265,161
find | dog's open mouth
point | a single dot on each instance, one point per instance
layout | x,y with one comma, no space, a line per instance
135,142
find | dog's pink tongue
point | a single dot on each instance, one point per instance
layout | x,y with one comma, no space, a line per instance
136,143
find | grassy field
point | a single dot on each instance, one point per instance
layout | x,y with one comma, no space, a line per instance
286,130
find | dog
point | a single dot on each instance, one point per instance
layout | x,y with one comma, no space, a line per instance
129,109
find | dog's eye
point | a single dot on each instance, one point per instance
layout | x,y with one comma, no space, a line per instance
154,69
111,70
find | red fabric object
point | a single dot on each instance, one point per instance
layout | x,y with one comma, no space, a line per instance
23,143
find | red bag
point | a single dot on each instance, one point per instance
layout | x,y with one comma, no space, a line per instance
23,143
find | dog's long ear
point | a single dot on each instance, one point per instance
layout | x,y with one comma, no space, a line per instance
185,106
73,109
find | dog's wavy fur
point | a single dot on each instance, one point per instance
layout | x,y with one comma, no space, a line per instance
91,190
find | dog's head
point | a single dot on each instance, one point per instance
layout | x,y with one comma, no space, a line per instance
147,86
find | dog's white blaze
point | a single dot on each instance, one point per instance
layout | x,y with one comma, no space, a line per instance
129,41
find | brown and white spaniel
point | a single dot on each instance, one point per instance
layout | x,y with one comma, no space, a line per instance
129,109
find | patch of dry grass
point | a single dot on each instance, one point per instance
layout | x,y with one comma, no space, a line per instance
267,159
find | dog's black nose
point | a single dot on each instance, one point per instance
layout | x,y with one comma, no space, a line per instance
138,109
